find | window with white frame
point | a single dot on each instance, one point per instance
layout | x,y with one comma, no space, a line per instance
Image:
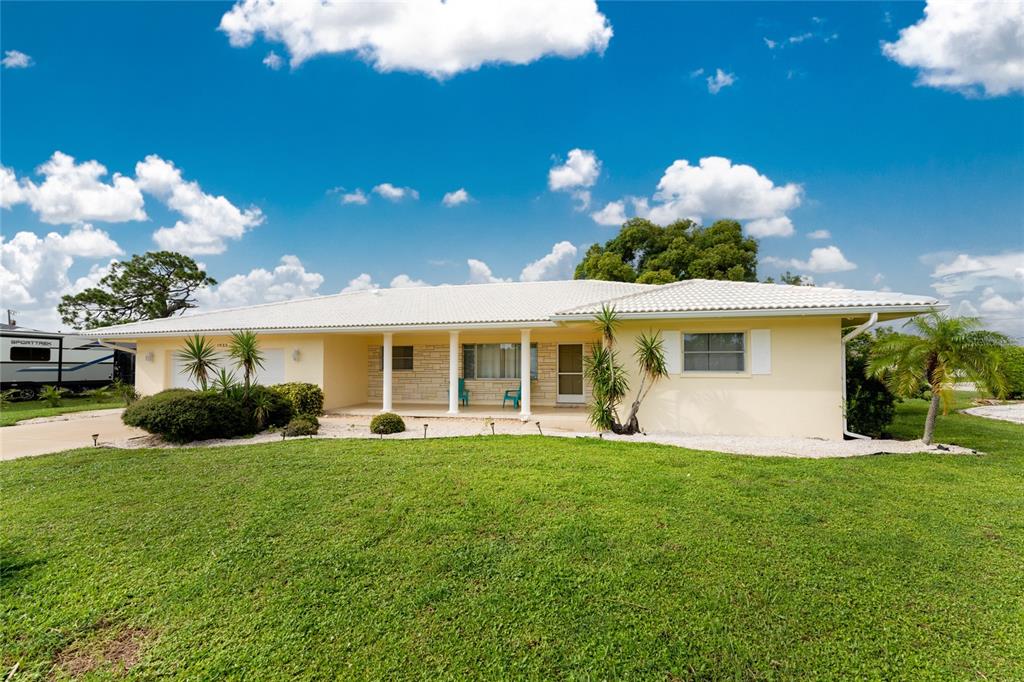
401,358
720,352
495,360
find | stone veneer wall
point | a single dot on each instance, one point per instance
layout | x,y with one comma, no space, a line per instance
427,382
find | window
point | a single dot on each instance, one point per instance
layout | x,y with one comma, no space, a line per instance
495,361
713,352
401,358
27,354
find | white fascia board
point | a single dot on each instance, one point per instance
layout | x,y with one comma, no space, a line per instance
769,312
377,329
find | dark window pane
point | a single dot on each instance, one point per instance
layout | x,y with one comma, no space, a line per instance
570,384
729,342
469,362
725,362
695,342
570,358
695,362
23,354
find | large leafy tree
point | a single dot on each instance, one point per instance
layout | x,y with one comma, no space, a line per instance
940,352
147,287
651,254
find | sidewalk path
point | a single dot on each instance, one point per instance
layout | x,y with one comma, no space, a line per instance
54,434
1013,412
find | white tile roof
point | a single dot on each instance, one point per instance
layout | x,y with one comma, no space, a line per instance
514,303
468,304
704,295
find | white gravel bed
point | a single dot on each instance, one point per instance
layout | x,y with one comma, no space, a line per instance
1013,412
359,427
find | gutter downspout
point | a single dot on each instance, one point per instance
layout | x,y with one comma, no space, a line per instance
852,334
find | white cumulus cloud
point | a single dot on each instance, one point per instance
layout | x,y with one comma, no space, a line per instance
720,80
819,234
395,194
437,38
717,188
404,281
559,264
613,213
822,259
289,279
480,273
361,282
74,192
453,199
13,59
34,270
579,172
357,197
970,46
965,272
209,221
273,61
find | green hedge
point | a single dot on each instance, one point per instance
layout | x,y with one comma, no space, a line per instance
304,398
181,416
1012,365
387,422
870,407
280,408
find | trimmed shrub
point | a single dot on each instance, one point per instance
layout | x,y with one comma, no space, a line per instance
870,407
304,398
277,409
180,416
387,422
1012,365
302,425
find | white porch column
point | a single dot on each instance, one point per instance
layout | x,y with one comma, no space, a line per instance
524,374
453,372
387,372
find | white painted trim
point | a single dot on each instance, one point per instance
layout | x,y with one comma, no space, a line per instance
568,398
760,351
524,374
672,342
772,312
453,372
386,404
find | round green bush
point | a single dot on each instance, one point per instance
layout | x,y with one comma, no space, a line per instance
302,425
181,416
304,398
387,422
279,408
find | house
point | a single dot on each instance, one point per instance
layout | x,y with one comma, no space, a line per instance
744,358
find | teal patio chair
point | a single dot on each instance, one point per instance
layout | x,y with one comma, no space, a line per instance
463,393
514,395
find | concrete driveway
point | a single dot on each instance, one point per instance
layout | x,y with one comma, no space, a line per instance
54,434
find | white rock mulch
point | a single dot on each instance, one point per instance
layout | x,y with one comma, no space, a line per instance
1011,412
359,427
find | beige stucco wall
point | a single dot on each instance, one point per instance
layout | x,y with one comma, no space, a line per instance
801,397
154,358
344,372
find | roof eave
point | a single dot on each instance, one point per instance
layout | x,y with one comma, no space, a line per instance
762,312
371,329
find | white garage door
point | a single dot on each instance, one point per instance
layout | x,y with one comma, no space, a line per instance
272,372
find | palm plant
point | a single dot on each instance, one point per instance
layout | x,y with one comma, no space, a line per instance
244,349
608,380
200,359
262,405
941,350
51,395
650,359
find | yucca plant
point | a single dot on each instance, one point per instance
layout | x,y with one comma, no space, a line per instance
608,385
650,358
262,404
941,350
200,359
223,380
244,349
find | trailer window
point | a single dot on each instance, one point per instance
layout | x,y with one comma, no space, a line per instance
27,354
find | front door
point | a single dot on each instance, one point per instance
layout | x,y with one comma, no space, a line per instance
570,373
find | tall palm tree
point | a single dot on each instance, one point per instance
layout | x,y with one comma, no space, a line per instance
200,359
244,349
941,350
607,323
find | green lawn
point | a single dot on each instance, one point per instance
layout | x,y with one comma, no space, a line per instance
516,557
30,409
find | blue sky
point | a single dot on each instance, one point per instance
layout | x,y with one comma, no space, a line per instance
913,165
